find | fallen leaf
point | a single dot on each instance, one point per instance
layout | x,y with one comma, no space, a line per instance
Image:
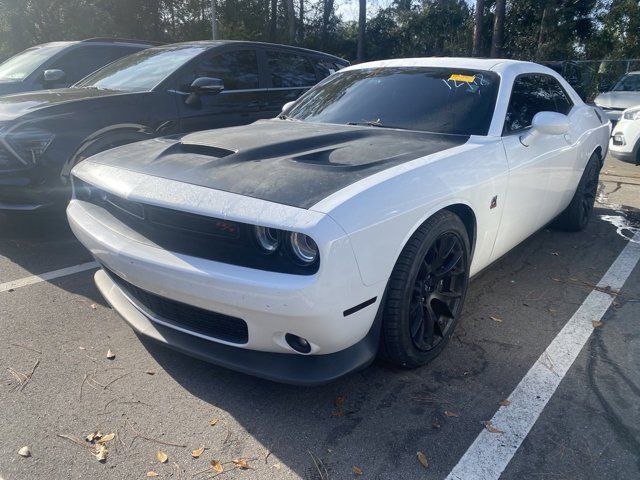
92,437
556,280
555,254
213,421
241,463
197,452
505,403
436,423
337,413
597,323
495,319
106,438
277,466
493,429
451,414
110,355
94,306
100,452
161,457
150,372
152,474
340,400
422,458
24,452
217,466
356,470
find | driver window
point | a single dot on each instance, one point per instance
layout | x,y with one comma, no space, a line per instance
532,94
528,97
238,70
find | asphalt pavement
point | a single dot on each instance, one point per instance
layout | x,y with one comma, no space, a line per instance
57,385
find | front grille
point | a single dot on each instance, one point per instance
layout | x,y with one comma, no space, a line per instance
193,234
180,315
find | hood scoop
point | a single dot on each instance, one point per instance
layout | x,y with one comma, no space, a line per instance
198,149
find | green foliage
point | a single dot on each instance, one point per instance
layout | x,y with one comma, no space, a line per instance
538,30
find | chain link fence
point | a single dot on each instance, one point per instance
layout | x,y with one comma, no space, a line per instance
588,77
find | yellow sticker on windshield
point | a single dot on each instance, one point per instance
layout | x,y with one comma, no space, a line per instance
457,77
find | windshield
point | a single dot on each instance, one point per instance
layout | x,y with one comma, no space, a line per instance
628,83
440,100
24,64
142,71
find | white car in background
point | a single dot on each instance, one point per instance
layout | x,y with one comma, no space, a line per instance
299,248
624,94
625,140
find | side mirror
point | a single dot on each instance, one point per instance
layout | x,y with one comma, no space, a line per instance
207,86
287,106
53,75
546,123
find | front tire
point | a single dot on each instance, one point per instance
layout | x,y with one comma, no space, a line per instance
576,216
426,292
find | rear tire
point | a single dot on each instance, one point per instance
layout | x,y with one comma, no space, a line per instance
576,216
426,292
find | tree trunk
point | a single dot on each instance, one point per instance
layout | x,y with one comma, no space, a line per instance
477,31
326,16
362,26
273,28
542,36
301,23
291,18
214,21
498,29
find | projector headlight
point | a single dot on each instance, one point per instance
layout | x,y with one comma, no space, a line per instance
268,238
303,248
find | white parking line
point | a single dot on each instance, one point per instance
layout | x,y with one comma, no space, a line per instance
43,277
490,453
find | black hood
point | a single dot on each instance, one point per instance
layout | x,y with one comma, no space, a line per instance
14,106
289,162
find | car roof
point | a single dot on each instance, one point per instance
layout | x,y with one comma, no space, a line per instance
219,43
497,64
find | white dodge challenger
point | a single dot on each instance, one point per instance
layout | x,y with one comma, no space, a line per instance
299,248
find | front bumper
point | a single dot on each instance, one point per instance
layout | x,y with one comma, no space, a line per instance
315,307
20,191
306,370
625,141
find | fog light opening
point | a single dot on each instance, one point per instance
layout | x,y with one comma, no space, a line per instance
299,344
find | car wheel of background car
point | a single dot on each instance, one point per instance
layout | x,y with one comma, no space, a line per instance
426,292
100,143
576,216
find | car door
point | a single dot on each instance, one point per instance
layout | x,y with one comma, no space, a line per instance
237,104
289,75
537,171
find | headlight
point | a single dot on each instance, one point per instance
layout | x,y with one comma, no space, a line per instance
631,114
268,238
303,248
30,143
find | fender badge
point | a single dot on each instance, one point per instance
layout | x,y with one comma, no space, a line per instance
494,203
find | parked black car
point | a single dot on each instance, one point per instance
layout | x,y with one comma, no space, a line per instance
60,64
164,90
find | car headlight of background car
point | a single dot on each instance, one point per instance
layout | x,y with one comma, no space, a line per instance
29,143
631,114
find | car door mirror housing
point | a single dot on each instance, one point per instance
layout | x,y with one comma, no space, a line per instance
287,106
546,123
53,75
207,86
